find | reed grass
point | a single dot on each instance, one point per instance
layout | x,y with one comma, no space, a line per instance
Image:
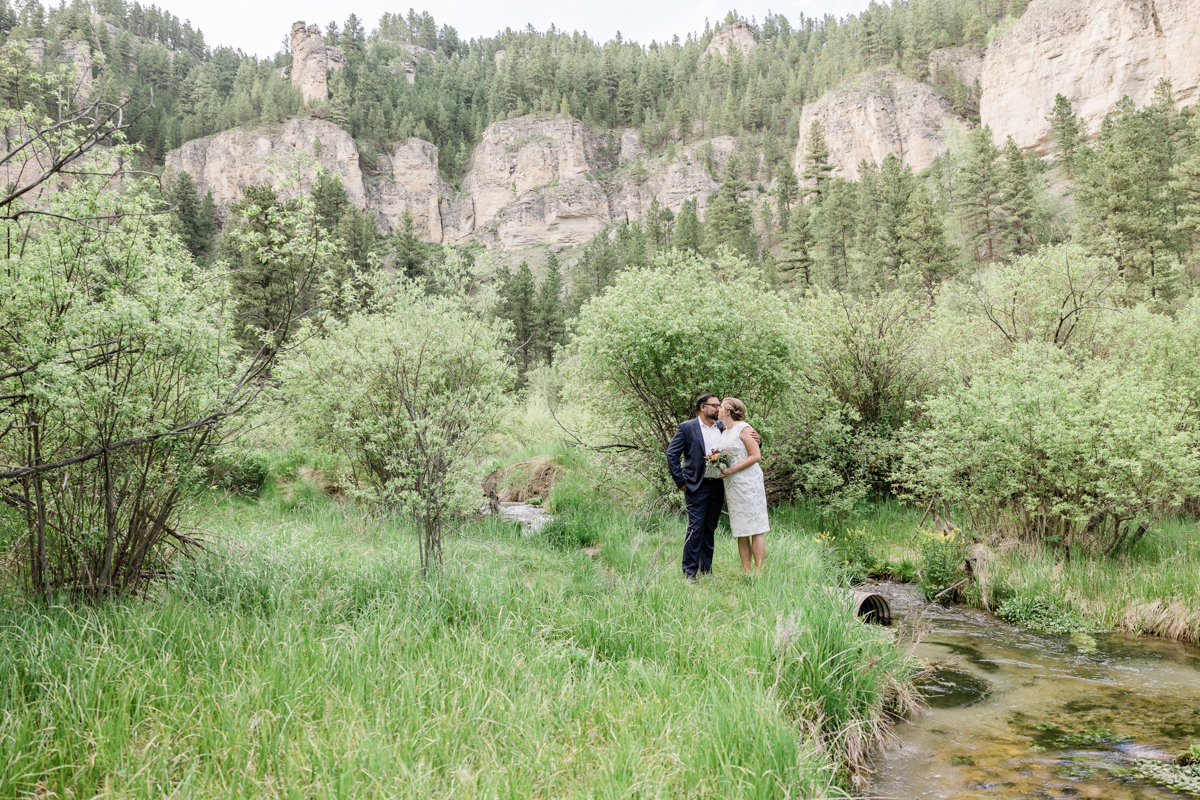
302,656
1153,588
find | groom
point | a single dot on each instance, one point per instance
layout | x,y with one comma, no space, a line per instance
693,441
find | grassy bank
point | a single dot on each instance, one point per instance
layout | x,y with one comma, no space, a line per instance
1153,588
303,656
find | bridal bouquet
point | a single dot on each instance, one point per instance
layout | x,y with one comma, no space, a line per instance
717,461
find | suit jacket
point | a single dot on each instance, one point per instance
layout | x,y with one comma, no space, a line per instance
688,444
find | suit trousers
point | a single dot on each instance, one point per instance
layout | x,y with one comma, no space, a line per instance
704,512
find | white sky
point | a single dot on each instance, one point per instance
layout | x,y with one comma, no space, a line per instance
259,26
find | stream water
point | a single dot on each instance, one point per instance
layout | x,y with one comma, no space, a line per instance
1026,715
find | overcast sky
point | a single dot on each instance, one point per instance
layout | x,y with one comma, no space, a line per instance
259,26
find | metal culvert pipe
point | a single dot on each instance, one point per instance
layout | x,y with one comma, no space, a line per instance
870,607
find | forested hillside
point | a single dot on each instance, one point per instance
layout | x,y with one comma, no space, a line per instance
461,87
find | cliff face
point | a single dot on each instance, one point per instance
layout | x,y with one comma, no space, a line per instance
874,115
736,36
530,181
409,179
75,52
1091,51
227,163
312,61
965,63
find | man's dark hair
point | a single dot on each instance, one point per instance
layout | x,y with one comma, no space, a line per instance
702,399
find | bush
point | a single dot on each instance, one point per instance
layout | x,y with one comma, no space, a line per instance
1058,452
942,557
1043,614
659,337
871,368
238,471
407,394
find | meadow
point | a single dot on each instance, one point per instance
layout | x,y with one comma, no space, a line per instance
301,655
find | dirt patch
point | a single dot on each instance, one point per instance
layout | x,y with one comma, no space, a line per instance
523,481
329,486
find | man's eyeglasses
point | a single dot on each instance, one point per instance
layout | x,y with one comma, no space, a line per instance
712,405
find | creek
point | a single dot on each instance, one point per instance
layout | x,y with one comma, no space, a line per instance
1027,715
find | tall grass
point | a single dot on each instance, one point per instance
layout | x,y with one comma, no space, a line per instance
1154,588
303,656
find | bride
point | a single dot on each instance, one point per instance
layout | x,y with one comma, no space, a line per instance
745,494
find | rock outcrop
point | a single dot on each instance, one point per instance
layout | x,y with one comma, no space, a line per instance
286,158
78,54
965,63
517,155
35,50
311,62
735,36
531,180
409,179
1093,52
75,52
876,114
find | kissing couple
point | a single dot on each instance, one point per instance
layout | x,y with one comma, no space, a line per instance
694,459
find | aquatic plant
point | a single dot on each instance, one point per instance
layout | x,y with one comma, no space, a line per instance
1181,778
1045,614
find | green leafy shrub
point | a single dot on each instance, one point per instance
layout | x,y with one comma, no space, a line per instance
942,557
871,368
406,394
659,337
859,561
1055,452
238,471
1043,613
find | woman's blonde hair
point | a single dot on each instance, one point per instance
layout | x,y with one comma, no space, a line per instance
735,407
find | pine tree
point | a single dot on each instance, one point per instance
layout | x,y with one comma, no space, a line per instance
837,231
194,230
979,195
1067,132
787,189
658,225
729,221
882,206
330,200
796,262
1128,204
551,319
339,103
410,251
1016,200
687,228
927,259
817,168
519,306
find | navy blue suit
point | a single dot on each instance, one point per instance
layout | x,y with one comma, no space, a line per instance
703,496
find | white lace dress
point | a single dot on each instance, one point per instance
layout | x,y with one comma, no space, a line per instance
745,494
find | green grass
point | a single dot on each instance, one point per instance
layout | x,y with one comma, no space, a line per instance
1154,588
302,656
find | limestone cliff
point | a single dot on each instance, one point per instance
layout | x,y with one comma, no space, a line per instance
1091,51
546,180
312,62
75,52
735,36
966,64
408,178
286,158
531,180
876,114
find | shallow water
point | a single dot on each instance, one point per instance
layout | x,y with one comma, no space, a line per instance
1025,715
